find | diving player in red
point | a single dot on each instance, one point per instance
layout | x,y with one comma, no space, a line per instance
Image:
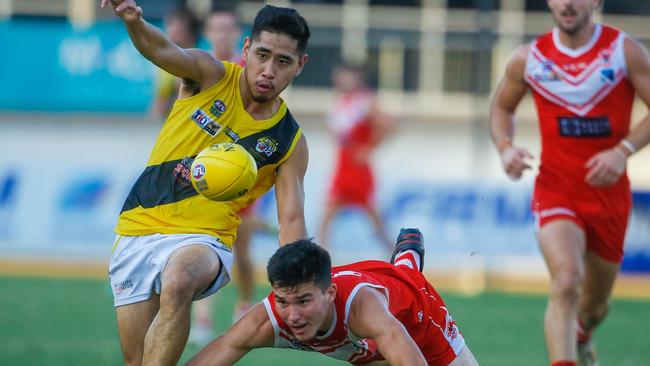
583,77
370,311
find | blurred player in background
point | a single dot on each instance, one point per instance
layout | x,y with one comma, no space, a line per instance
361,312
583,76
173,245
223,32
358,125
182,28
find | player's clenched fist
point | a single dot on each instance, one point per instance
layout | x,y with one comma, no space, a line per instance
514,161
128,10
605,168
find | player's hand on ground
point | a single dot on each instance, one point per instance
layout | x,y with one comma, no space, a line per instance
605,168
514,160
128,10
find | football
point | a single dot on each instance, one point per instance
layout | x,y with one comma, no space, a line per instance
223,172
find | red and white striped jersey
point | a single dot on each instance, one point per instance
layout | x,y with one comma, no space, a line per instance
411,299
584,103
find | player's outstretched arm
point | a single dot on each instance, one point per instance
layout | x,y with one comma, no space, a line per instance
290,194
253,330
506,98
193,64
370,318
606,167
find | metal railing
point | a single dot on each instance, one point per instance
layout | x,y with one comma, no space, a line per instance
427,62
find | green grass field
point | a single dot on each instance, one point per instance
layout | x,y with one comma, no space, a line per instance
71,322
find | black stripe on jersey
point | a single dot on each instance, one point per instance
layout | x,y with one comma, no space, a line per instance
168,182
270,146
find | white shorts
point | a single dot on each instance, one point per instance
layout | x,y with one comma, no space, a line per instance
136,265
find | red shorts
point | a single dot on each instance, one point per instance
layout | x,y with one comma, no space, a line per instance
605,233
353,186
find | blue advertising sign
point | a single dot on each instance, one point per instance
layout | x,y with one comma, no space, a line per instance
51,65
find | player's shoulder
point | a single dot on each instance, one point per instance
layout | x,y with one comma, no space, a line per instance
520,54
212,70
517,61
634,50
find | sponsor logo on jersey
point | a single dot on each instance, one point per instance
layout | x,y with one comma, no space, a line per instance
218,107
232,134
121,286
606,57
182,171
574,66
206,123
584,126
547,73
451,331
266,145
299,345
607,75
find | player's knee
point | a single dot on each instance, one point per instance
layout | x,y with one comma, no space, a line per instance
567,285
178,288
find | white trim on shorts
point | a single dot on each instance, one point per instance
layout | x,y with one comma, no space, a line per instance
553,211
137,263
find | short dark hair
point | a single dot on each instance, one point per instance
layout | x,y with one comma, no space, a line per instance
276,19
300,262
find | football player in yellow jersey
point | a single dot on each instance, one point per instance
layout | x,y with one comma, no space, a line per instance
173,245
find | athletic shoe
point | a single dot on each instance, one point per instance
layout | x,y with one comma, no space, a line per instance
587,354
409,239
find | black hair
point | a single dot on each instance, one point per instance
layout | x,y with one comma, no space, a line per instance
287,21
300,262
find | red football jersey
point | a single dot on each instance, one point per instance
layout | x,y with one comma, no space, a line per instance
584,102
353,181
411,299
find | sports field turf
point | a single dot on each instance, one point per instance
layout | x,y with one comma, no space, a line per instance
71,322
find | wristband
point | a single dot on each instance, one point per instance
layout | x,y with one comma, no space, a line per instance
628,145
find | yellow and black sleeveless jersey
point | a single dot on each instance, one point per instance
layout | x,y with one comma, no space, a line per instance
163,199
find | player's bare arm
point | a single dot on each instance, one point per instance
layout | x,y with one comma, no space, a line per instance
506,98
638,65
290,194
370,318
606,167
192,64
253,330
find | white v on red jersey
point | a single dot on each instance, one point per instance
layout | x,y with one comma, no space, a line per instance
584,102
411,299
